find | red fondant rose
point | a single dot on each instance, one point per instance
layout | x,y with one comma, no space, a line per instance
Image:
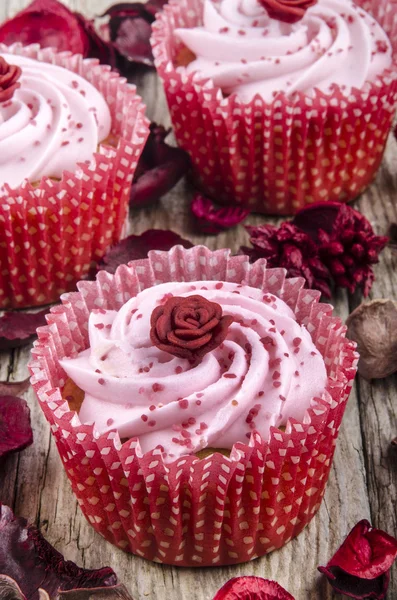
188,327
289,11
9,75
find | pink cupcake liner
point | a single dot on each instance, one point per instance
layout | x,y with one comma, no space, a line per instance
51,232
195,512
275,157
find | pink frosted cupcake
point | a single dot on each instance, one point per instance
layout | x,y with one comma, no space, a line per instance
279,104
195,400
71,133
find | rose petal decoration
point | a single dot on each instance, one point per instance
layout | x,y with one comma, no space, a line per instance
18,329
35,566
135,247
252,588
15,429
360,568
188,327
159,169
212,220
289,11
9,75
129,28
291,248
51,23
346,242
373,325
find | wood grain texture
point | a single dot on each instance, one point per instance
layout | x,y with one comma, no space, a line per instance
363,480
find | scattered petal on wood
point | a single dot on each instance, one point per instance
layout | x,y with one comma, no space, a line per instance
135,247
252,588
28,559
373,325
15,429
361,567
18,329
14,388
211,219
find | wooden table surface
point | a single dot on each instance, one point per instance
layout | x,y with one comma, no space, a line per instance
363,479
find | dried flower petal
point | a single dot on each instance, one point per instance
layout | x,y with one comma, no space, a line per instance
129,29
373,325
14,388
18,329
33,563
15,430
159,169
360,568
346,242
9,589
135,247
292,249
51,24
253,588
212,220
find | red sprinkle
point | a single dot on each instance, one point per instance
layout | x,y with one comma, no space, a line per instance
101,381
144,418
276,384
184,403
157,387
109,422
152,423
296,341
230,376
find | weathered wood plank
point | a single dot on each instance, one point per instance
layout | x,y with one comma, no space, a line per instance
35,485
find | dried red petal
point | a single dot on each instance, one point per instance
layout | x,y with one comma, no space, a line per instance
290,248
135,247
189,327
14,388
15,430
360,568
288,11
18,329
130,29
159,169
33,563
9,75
212,220
254,588
346,242
51,24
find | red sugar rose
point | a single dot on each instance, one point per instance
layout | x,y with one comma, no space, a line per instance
9,75
253,588
188,327
360,568
289,11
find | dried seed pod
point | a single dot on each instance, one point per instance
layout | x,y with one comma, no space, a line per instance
373,325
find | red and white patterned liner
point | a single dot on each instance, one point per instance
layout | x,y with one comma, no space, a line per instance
276,157
193,512
51,232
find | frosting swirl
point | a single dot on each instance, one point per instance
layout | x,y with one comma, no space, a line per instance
246,52
53,121
266,370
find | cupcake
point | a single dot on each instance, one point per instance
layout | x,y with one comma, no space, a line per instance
195,400
71,133
279,104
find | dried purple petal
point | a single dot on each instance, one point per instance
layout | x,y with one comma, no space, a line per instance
15,429
373,325
18,329
159,169
135,247
212,220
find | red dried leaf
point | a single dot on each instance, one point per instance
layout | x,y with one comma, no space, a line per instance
252,588
15,430
360,568
159,169
18,329
346,242
212,220
135,247
27,558
290,248
51,23
130,29
14,388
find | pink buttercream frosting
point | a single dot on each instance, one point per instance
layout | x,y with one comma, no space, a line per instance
245,52
266,371
55,120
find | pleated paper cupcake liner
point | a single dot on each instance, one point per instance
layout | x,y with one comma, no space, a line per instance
275,157
195,512
54,230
